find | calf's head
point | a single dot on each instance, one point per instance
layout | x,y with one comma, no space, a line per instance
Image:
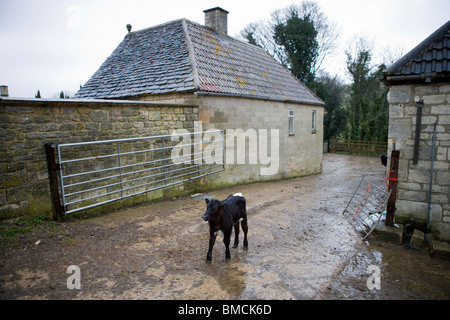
212,207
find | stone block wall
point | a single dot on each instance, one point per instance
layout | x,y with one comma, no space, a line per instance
414,179
27,125
300,154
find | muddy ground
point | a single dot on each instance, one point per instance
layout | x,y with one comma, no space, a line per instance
300,247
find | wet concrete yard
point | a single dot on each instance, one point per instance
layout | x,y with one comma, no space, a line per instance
300,247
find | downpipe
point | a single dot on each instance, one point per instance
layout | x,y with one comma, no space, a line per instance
431,179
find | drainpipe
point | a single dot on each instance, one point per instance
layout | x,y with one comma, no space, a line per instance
431,179
419,105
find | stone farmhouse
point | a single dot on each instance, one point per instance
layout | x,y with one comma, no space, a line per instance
419,127
176,76
235,85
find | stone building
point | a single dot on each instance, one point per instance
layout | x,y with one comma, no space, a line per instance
419,99
176,76
236,86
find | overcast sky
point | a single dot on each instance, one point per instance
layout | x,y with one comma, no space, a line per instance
57,45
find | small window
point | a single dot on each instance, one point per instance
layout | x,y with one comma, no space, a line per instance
313,126
291,122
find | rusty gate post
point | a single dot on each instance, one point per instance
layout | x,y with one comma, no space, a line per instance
392,178
53,179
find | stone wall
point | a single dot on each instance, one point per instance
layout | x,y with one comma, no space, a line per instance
299,154
414,179
27,125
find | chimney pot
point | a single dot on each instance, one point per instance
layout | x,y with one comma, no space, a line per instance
4,91
217,19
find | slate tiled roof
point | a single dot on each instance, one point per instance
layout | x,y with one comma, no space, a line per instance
153,60
185,56
429,61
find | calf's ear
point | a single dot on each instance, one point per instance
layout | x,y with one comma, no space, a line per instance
207,200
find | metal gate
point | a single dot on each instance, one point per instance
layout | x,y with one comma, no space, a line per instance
366,206
94,173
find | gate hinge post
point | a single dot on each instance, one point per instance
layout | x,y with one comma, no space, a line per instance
57,167
52,167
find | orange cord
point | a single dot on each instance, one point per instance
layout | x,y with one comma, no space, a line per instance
363,198
390,179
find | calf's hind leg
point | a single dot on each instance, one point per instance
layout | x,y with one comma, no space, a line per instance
236,234
245,229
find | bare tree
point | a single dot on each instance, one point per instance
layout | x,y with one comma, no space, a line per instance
262,33
367,105
327,31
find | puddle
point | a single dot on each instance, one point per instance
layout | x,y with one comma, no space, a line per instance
229,276
402,273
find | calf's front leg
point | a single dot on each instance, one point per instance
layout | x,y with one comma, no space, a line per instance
226,241
212,240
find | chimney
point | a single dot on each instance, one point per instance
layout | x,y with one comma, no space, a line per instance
4,91
216,19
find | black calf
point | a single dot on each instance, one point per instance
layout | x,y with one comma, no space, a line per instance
222,215
384,158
